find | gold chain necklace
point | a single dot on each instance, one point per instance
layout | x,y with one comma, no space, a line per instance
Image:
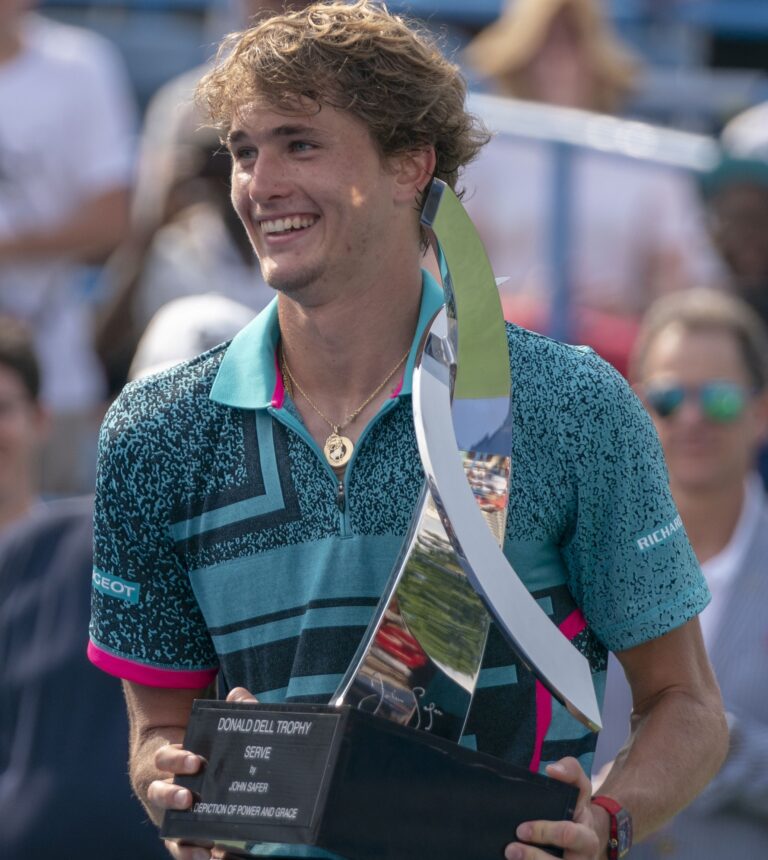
338,448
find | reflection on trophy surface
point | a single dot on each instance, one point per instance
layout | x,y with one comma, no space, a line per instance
435,628
429,645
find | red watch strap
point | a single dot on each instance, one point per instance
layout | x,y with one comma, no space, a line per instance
612,808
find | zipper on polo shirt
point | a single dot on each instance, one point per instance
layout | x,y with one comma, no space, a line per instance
342,503
287,419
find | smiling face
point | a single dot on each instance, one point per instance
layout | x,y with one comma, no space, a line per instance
703,454
321,207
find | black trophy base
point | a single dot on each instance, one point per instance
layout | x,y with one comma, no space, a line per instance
351,783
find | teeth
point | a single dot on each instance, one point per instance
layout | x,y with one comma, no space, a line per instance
282,225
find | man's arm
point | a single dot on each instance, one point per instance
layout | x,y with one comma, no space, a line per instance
678,733
678,740
158,718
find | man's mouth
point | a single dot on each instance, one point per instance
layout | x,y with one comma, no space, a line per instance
288,224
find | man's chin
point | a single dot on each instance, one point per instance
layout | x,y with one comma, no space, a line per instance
291,284
702,480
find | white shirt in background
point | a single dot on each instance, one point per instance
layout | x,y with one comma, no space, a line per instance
66,135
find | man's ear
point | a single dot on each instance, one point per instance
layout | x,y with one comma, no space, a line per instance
413,172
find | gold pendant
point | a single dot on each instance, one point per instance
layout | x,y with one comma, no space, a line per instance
338,449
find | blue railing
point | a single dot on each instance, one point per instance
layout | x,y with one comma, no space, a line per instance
566,132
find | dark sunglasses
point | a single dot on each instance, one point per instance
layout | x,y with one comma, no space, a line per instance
718,400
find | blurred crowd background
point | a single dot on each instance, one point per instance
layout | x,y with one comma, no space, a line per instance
631,160
629,165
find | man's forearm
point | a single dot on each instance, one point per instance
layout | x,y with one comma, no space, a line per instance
156,717
677,744
142,767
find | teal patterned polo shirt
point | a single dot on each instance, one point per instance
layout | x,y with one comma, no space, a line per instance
223,546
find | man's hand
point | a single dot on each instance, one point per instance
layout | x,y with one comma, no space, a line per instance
162,794
584,838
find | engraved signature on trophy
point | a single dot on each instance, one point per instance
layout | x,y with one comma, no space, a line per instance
431,709
364,703
399,704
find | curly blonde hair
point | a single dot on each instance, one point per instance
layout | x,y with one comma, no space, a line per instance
358,58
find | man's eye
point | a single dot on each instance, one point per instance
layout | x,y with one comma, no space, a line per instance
245,153
301,146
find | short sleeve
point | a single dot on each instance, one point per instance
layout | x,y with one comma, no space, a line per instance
146,625
631,566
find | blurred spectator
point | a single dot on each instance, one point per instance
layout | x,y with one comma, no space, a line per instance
65,169
186,238
64,789
186,327
23,422
631,230
198,247
701,367
560,52
736,193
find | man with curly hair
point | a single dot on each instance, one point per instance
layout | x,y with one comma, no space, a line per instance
238,541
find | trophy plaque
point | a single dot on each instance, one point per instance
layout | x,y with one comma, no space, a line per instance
378,773
352,783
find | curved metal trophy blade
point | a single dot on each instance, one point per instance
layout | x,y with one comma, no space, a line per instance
539,644
419,661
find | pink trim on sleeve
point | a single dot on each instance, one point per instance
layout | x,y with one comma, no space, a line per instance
278,395
149,676
570,628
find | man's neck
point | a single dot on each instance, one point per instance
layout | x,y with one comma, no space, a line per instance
710,517
340,351
343,345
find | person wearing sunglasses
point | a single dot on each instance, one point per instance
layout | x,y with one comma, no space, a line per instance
719,400
700,366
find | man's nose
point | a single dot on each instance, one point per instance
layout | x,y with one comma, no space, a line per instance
691,412
267,180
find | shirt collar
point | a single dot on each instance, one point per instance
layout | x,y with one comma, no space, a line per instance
248,377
